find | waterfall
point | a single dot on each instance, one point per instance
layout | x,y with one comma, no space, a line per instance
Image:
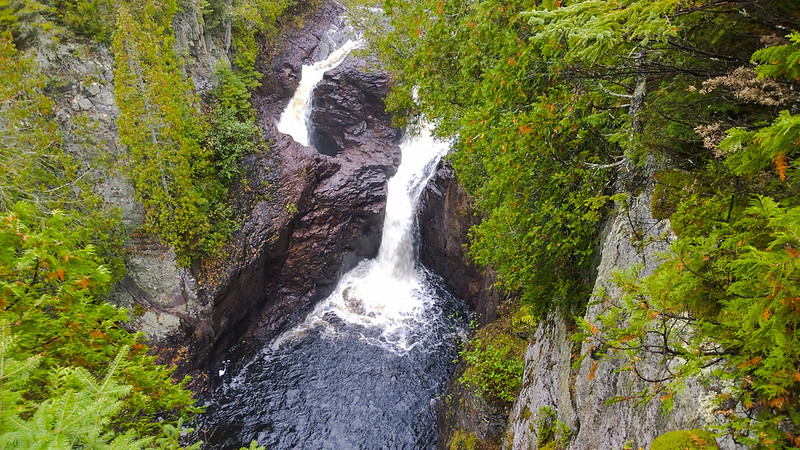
364,367
387,294
294,120
420,156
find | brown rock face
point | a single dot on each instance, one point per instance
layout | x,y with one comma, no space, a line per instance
444,220
312,215
282,67
348,110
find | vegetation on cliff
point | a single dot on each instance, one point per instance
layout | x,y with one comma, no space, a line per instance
72,374
549,100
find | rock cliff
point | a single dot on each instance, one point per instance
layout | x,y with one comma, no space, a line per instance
578,396
306,216
445,218
553,388
311,215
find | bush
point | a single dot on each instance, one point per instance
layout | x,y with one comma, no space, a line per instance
495,357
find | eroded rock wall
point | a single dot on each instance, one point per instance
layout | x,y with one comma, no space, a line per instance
579,396
445,218
306,217
310,215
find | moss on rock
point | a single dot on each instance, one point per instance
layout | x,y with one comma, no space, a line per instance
685,439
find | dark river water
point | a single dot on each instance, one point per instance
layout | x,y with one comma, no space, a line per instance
341,389
367,365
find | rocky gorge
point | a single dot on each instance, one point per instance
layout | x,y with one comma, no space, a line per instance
309,214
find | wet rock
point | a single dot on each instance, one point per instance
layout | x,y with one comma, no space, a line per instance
325,214
310,216
348,109
445,218
306,45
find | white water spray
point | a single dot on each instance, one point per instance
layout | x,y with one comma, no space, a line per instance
388,293
294,120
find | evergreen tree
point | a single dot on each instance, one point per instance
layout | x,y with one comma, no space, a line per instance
162,128
71,375
547,100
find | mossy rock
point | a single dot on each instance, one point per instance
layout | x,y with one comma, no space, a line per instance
685,440
463,440
549,446
466,440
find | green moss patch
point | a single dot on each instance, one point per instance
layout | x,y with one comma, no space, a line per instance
685,439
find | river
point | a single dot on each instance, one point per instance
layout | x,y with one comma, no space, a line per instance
366,366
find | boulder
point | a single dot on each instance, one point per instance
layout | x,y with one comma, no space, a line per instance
348,110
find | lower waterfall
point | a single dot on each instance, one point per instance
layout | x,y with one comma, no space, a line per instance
364,369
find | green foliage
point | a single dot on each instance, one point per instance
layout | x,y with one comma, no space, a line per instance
91,18
231,93
774,146
524,150
230,138
233,131
685,439
174,174
551,432
781,60
494,367
33,165
26,20
36,167
494,357
71,374
596,32
29,19
547,100
731,278
251,19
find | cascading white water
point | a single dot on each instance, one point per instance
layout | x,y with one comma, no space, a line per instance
308,390
294,120
420,155
388,293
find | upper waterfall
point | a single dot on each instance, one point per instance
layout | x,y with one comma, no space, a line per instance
294,120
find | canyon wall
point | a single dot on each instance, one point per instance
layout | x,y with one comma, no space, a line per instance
579,396
552,385
306,216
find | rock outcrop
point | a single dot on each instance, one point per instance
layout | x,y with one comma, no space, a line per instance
311,216
578,397
444,221
306,216
348,110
